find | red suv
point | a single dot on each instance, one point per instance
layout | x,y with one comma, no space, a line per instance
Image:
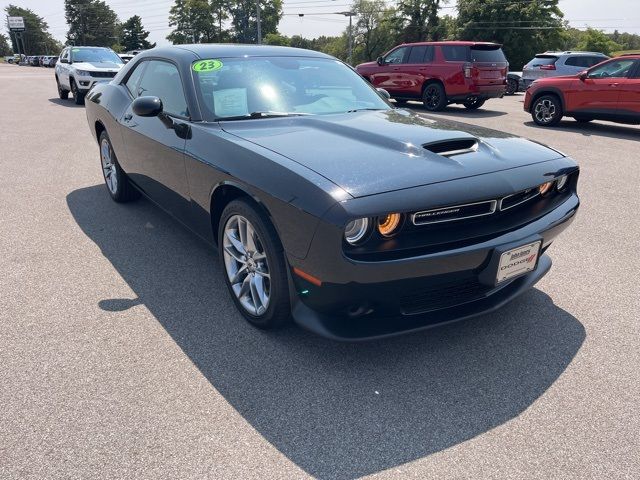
439,73
607,91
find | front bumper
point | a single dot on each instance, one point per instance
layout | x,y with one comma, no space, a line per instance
86,83
367,300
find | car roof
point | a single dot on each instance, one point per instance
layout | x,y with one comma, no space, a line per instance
222,50
461,43
599,54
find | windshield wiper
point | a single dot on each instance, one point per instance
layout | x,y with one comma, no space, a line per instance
363,109
265,114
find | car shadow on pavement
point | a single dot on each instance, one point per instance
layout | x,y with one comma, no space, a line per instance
596,128
65,103
457,111
335,410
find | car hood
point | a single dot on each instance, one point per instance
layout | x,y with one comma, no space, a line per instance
100,66
372,152
366,65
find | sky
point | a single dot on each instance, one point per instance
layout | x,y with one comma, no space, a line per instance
321,17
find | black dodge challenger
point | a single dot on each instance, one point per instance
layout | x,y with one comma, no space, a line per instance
326,203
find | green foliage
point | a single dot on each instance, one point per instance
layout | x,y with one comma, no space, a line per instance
597,41
91,22
244,27
277,39
417,20
5,48
133,36
36,38
198,21
524,28
373,31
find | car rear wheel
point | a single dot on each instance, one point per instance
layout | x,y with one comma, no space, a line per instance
115,179
78,97
434,97
254,267
547,111
474,104
62,92
512,86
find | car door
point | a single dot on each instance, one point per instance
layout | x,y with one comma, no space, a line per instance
155,145
629,100
63,69
414,72
389,74
598,92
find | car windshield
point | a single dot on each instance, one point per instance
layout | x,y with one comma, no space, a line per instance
258,87
94,55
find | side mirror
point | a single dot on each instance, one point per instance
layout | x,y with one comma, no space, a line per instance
583,75
147,106
380,61
64,60
383,93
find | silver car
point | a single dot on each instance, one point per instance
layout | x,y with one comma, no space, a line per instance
556,64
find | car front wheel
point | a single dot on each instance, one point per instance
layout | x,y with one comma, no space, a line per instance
78,97
254,267
547,111
115,179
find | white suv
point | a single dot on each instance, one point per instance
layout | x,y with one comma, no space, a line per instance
80,67
557,64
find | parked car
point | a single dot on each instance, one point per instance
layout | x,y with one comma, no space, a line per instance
440,73
52,61
79,68
556,64
608,91
34,61
324,201
514,83
126,57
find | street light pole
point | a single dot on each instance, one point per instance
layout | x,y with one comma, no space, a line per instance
350,36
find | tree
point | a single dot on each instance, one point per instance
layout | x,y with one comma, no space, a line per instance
524,28
373,30
597,41
198,21
36,38
243,19
417,20
5,48
133,36
91,22
277,39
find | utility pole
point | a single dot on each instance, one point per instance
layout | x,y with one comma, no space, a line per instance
350,46
259,21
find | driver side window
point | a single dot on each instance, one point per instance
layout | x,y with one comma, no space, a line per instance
615,69
397,56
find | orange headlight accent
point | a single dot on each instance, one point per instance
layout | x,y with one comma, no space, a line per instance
388,225
545,188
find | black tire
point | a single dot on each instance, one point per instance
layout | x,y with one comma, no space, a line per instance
473,104
62,92
78,97
546,111
401,101
123,191
584,120
434,98
512,86
278,310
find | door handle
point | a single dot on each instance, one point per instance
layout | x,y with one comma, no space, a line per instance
614,84
127,117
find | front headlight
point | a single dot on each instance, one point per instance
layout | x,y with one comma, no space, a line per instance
545,188
389,224
83,73
561,182
356,230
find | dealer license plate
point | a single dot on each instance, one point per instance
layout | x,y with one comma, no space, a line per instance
518,261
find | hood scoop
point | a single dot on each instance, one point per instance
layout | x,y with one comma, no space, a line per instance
451,147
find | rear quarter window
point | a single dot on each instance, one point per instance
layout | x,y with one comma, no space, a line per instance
543,60
455,53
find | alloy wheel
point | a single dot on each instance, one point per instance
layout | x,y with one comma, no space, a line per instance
432,96
108,167
545,111
246,265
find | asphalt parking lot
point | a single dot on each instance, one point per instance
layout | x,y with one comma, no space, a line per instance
122,356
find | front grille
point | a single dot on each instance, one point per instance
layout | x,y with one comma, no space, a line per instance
103,74
456,212
443,296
